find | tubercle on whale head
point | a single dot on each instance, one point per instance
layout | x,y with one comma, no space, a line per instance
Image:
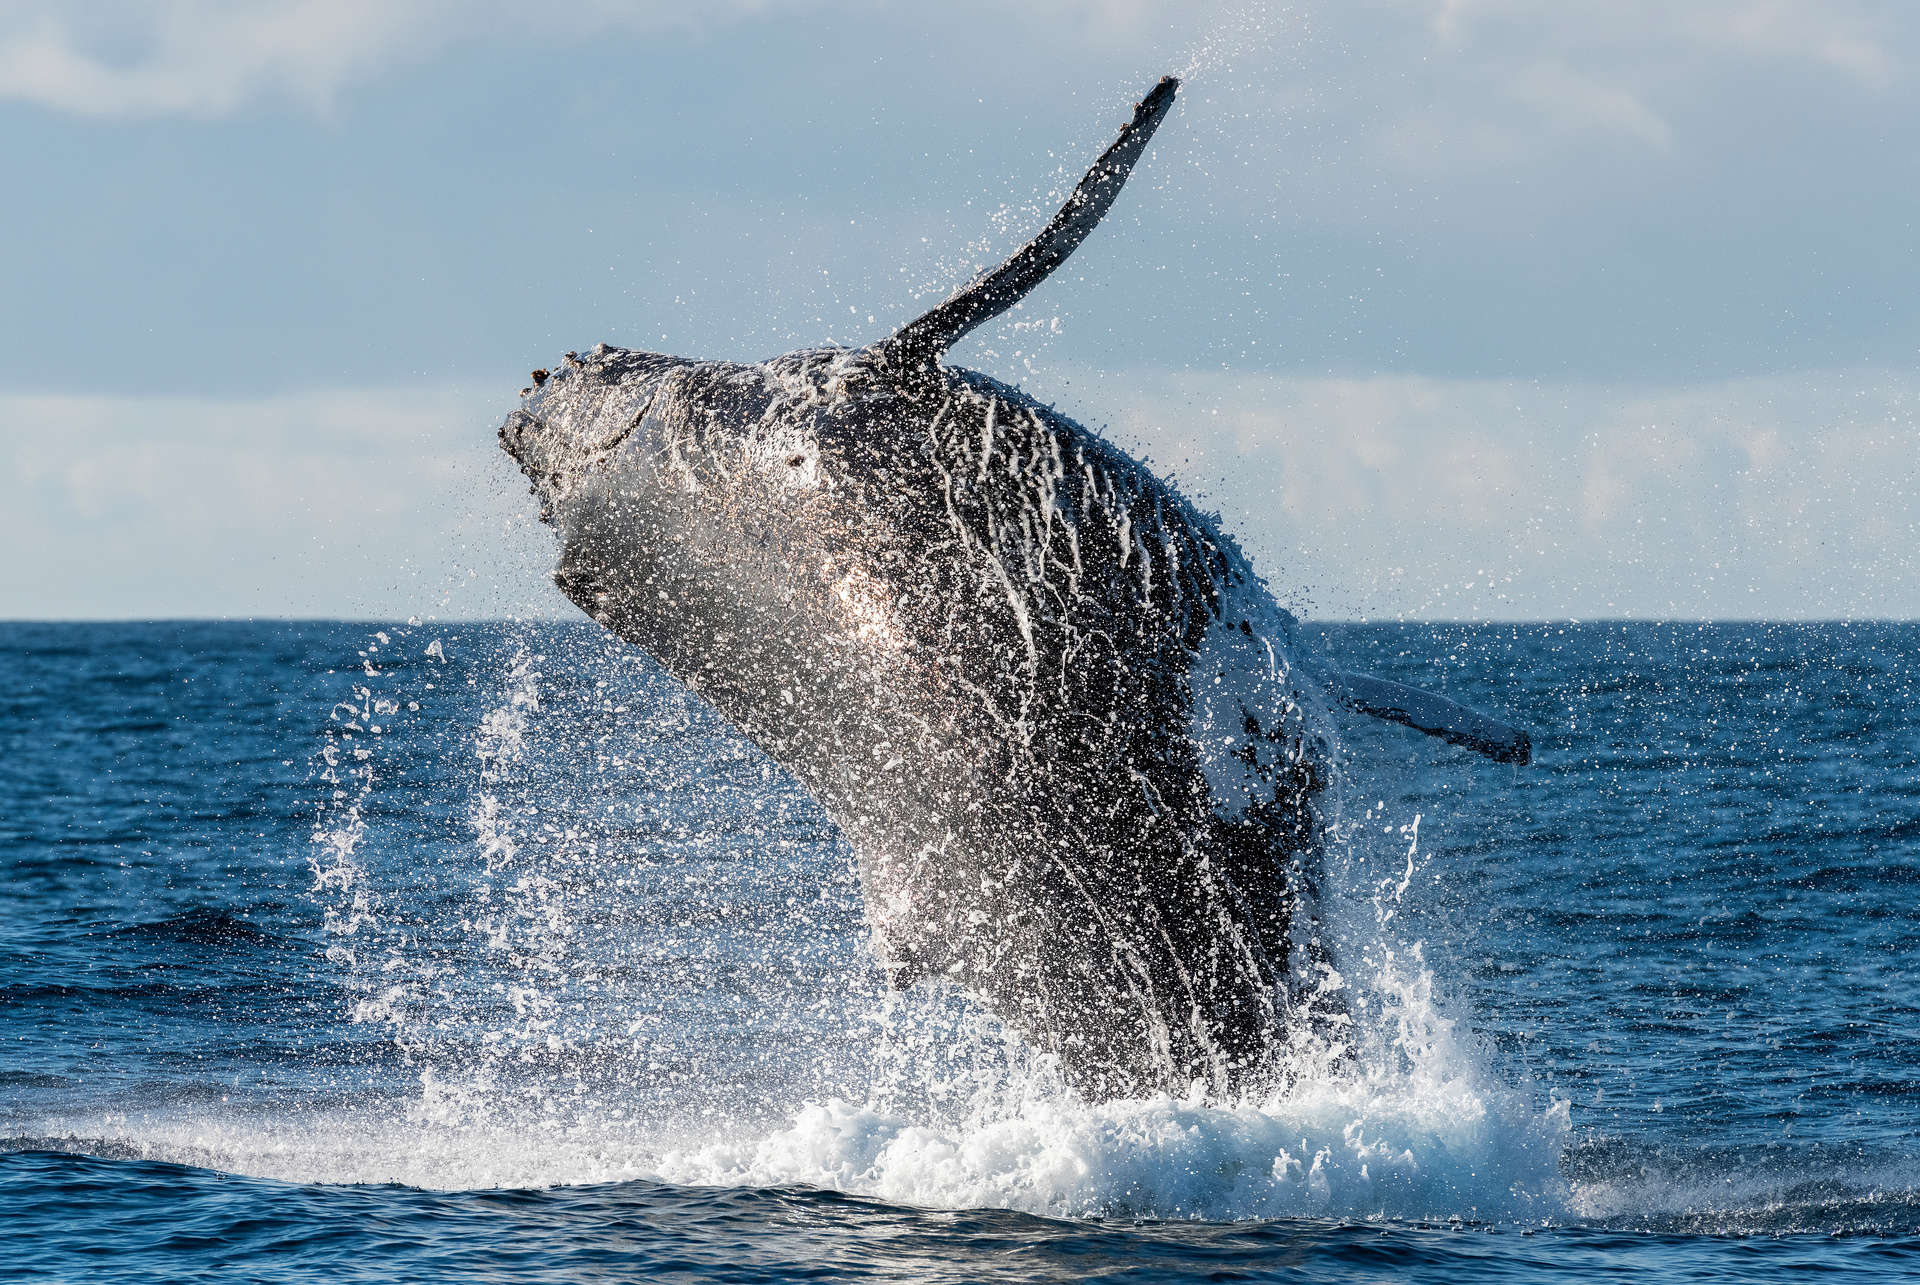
579,411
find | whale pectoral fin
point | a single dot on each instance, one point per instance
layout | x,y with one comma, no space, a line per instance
1435,715
986,297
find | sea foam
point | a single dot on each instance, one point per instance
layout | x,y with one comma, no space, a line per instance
1354,1151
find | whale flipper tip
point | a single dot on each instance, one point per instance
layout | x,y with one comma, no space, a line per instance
923,339
1452,722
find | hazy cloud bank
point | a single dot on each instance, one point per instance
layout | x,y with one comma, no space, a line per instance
382,503
1380,497
1780,497
1573,65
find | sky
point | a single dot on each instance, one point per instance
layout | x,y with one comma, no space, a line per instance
1453,309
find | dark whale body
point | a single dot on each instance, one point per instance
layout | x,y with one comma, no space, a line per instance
1076,745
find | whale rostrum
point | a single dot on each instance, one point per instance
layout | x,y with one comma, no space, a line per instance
1080,752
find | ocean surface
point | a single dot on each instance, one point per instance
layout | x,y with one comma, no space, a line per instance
412,952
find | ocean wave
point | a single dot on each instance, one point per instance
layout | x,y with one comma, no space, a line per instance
1156,1160
1334,1151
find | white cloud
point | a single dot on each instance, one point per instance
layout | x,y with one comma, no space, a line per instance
210,57
1784,497
1499,82
1841,36
379,502
133,58
196,57
1845,35
1573,101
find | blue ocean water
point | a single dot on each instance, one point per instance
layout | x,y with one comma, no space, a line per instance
419,952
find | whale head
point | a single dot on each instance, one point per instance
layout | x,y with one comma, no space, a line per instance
699,498
579,413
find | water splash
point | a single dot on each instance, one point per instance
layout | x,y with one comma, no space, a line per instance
348,770
633,967
1419,1135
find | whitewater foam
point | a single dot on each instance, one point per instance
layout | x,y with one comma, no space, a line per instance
1352,1152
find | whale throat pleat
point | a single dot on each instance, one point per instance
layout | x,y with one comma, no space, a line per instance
987,296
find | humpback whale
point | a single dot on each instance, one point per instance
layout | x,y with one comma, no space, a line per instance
1081,753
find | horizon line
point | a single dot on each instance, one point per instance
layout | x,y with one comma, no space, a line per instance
404,622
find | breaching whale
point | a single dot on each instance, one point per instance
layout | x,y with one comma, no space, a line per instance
1081,753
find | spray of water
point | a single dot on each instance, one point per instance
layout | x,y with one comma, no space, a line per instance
646,958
